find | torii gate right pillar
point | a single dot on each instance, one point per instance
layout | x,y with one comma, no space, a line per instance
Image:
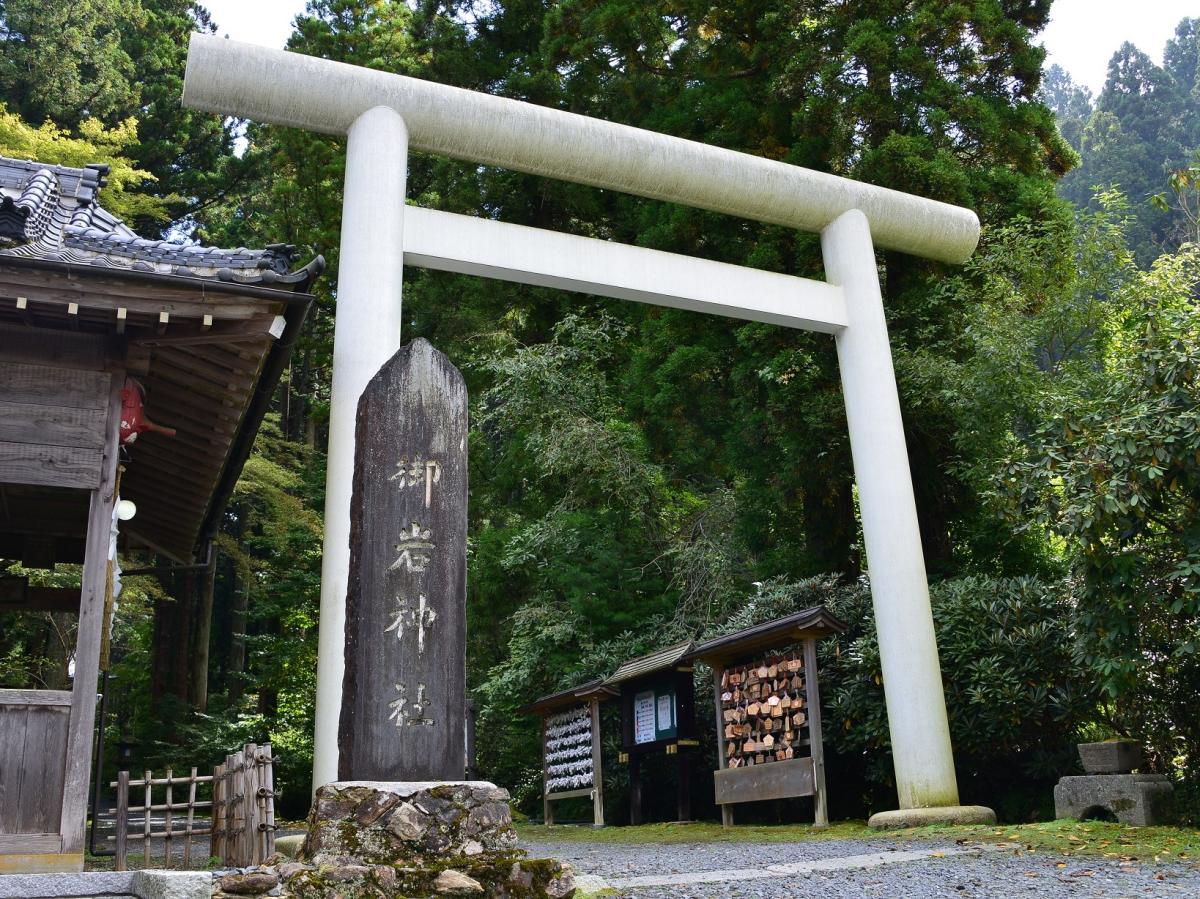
912,677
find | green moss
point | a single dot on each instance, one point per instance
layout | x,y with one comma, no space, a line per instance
415,880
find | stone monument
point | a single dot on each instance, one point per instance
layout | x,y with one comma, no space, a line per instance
404,693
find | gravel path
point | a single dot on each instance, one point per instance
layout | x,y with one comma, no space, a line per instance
987,874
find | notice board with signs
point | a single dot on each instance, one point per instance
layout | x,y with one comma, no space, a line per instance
768,711
657,716
571,763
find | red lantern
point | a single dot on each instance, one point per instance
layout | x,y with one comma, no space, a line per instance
133,413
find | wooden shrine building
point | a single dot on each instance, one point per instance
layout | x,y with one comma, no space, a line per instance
101,334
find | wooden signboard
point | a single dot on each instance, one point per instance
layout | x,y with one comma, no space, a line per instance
658,715
768,710
404,692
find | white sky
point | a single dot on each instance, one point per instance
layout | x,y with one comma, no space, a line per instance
1081,37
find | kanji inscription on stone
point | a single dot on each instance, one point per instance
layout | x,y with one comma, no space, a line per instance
404,693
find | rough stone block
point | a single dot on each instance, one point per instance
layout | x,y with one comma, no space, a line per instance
1110,757
1139,800
385,823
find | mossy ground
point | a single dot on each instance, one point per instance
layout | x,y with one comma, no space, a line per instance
1066,837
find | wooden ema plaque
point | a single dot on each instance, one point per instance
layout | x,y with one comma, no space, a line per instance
404,692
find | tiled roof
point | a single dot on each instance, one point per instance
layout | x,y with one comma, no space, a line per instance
51,212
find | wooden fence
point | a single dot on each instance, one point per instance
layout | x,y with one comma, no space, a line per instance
176,827
244,807
241,830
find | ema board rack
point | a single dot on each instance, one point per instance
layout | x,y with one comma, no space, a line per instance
768,711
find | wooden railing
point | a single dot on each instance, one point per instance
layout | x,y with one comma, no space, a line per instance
241,830
181,827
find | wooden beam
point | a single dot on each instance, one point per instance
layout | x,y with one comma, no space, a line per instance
52,386
187,300
51,425
257,328
45,599
91,621
49,466
53,347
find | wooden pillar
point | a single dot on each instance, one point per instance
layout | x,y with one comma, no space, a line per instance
200,653
820,805
597,778
726,808
547,805
91,624
635,787
683,795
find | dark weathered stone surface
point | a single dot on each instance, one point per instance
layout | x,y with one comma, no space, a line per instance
1110,757
1140,800
404,693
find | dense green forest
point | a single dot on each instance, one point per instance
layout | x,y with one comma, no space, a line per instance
641,475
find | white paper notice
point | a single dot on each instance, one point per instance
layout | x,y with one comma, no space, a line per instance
643,717
665,707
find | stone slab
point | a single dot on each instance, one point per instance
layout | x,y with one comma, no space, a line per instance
922,817
139,884
38,886
1110,757
1139,800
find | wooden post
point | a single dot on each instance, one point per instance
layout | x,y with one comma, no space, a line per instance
187,840
216,842
122,820
726,808
146,818
816,749
91,623
635,787
167,828
597,778
683,768
268,780
547,805
404,700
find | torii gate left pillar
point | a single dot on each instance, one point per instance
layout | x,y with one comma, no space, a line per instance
366,335
373,108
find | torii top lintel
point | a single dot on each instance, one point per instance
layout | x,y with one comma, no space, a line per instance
234,78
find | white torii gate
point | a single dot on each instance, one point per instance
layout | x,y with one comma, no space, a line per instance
382,114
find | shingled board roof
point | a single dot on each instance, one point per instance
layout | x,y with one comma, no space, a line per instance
51,212
659,660
570,697
815,622
207,332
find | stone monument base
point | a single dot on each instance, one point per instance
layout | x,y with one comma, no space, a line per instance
411,840
921,817
1140,800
